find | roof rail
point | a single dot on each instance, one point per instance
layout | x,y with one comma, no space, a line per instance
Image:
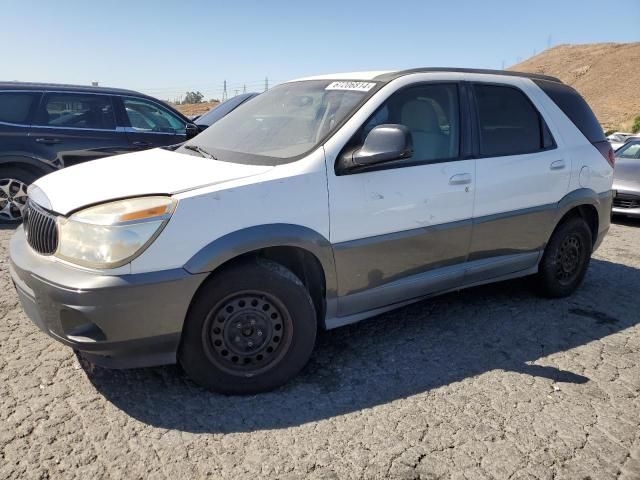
400,73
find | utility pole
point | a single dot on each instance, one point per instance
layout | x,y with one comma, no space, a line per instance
244,88
549,41
266,83
502,64
224,91
236,94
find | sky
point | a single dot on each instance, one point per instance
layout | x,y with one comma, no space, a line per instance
165,48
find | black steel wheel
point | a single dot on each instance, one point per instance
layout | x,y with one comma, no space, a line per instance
566,258
250,328
246,332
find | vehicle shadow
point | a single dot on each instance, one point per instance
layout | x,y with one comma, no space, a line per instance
627,221
401,353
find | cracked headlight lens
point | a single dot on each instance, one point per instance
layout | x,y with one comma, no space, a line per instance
112,234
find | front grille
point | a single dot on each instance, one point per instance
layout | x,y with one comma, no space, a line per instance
626,201
40,229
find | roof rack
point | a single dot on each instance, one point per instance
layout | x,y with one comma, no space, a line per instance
400,73
63,86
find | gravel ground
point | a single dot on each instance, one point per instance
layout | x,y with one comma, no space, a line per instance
491,382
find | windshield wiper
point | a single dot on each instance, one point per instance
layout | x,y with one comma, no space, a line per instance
201,151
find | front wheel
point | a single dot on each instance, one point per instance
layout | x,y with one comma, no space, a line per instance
250,329
566,259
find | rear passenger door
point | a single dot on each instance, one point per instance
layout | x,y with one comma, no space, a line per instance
149,124
521,175
71,128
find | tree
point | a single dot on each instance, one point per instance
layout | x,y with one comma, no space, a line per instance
193,97
636,125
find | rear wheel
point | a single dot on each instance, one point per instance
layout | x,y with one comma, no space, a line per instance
250,329
566,259
14,182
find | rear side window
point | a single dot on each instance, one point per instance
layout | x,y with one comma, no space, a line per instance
574,107
71,110
508,122
16,106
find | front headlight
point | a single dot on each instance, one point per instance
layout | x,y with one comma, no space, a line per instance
112,234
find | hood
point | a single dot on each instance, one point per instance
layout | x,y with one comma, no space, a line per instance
149,172
626,174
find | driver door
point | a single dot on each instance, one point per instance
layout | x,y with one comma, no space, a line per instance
402,231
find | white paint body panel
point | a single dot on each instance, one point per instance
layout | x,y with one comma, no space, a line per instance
133,174
294,193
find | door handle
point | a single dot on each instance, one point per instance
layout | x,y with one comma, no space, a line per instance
48,140
460,179
142,144
557,165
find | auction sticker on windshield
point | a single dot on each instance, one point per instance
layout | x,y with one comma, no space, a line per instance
357,86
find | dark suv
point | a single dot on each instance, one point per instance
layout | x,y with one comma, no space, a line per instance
46,127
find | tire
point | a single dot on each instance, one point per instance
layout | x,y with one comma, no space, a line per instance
250,329
566,259
13,194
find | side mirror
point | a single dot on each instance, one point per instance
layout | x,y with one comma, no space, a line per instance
192,130
384,143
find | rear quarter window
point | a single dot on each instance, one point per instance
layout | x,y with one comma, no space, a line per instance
15,107
574,107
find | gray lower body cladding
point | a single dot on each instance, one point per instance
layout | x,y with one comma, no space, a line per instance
390,270
116,321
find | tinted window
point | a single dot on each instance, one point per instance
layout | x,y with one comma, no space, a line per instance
574,107
631,150
75,110
149,117
508,122
430,112
15,107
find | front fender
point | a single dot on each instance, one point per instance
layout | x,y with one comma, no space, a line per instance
254,238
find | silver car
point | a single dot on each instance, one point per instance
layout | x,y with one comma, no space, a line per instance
626,181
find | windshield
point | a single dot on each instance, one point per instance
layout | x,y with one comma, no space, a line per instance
216,113
284,123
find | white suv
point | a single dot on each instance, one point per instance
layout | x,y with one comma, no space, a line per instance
319,203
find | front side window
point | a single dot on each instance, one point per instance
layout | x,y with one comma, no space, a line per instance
71,110
283,123
629,151
509,123
146,116
432,115
16,106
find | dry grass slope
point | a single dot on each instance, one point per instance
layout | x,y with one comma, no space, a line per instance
195,108
606,74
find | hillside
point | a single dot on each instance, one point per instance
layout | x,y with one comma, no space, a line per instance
195,108
606,74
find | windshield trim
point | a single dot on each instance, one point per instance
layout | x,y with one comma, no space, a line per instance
253,159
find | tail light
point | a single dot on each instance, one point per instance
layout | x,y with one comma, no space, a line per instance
607,152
